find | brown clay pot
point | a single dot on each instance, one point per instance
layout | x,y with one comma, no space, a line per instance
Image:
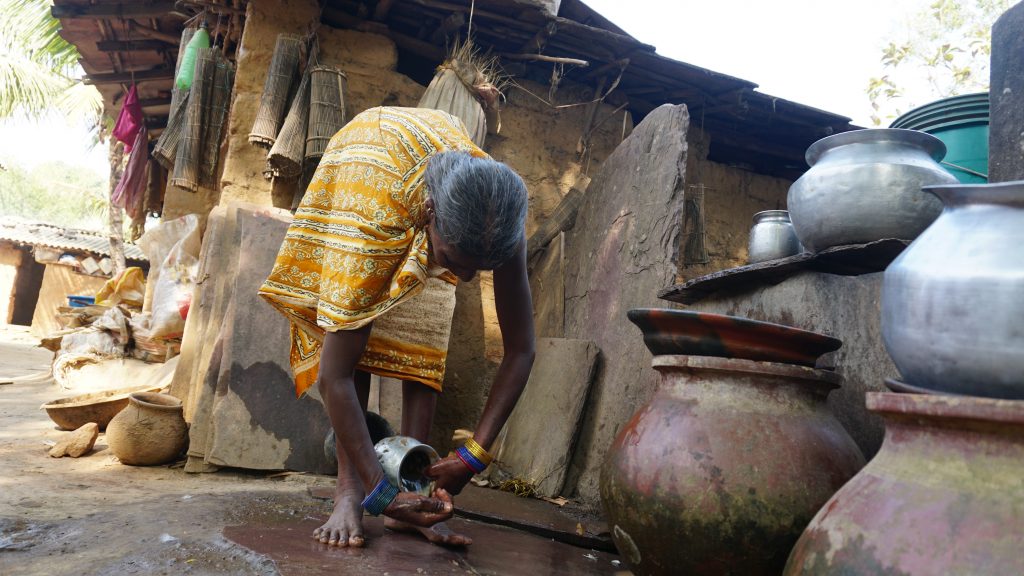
944,495
721,471
150,430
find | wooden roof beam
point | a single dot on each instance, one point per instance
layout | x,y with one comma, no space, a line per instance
113,11
133,45
123,77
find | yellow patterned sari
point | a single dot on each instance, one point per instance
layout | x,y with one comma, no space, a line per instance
358,248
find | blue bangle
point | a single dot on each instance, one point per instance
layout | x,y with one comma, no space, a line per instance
378,500
470,461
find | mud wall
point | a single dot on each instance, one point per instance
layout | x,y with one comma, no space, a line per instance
58,283
10,260
731,198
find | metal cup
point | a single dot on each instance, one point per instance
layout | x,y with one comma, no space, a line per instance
405,461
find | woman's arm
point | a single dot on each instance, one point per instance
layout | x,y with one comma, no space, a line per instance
514,306
515,316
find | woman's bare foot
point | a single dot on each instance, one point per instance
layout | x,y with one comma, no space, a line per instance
422,511
439,533
345,526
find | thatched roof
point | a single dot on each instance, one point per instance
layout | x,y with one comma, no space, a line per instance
747,128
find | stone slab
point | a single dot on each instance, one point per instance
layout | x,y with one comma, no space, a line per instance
541,432
534,516
199,311
622,251
848,260
496,550
547,285
258,423
212,301
1006,98
846,307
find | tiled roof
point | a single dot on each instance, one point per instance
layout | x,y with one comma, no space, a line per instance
39,234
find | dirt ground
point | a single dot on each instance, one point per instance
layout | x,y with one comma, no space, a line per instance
94,515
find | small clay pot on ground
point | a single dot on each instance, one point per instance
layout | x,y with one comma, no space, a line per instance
151,430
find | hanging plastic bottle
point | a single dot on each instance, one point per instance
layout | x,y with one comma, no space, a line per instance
201,39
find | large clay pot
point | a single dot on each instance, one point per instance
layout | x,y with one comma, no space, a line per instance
150,430
944,495
953,302
865,185
721,471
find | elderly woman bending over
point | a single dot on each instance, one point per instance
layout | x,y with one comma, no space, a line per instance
401,207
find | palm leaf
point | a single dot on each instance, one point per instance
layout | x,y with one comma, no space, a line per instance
37,65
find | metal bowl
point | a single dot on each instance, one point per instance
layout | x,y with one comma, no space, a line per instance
692,333
75,411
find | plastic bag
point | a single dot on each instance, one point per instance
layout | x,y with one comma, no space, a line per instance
187,70
107,337
173,252
128,288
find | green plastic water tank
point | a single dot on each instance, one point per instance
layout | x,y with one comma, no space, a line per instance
961,122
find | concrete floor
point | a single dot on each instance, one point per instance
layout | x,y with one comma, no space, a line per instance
93,515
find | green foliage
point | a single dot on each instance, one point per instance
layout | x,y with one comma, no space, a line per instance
944,51
55,192
37,66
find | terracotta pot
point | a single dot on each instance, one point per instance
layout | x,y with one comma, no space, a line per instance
944,495
150,430
721,471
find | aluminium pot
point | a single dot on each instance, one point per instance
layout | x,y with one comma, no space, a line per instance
772,237
865,185
953,301
722,470
944,495
405,461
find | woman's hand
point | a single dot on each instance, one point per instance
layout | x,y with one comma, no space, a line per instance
421,510
450,473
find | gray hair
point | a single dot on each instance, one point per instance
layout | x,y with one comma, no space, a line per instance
479,205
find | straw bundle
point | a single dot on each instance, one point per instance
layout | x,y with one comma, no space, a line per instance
166,150
176,93
285,157
446,92
167,145
186,164
280,78
326,109
464,86
220,98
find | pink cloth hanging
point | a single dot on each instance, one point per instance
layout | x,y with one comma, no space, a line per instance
131,189
130,120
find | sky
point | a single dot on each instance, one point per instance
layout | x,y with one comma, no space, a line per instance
819,53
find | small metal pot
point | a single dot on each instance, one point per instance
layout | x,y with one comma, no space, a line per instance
772,237
405,461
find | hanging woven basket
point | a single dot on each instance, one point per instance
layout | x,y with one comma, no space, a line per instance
326,109
286,155
284,66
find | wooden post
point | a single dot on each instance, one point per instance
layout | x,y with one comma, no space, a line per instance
561,219
116,216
